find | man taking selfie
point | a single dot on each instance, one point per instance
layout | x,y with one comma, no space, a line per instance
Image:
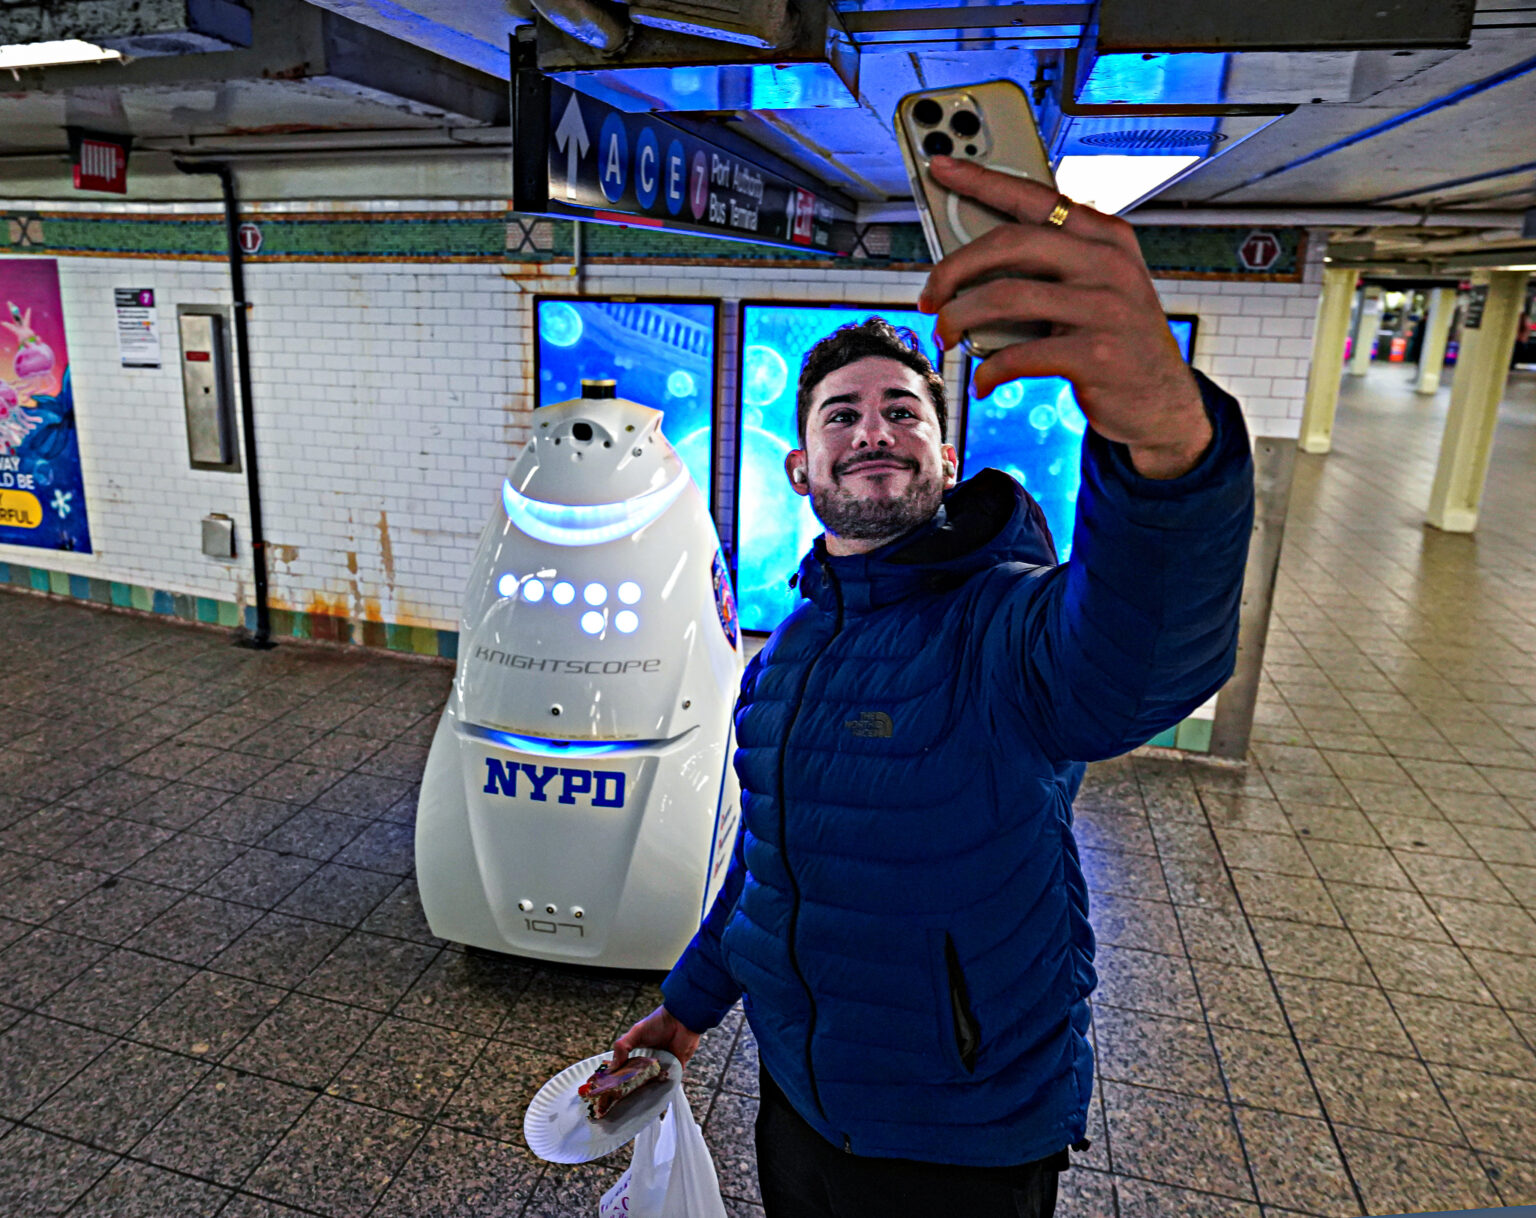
905,919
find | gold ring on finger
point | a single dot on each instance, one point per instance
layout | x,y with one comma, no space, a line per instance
1059,213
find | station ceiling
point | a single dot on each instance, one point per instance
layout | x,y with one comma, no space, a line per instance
1414,138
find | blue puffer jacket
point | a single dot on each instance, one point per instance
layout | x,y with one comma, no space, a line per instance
905,914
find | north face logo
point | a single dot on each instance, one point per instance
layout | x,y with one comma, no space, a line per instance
871,725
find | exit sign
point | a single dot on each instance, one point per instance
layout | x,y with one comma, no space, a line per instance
101,163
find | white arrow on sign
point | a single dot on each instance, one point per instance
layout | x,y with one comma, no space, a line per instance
571,138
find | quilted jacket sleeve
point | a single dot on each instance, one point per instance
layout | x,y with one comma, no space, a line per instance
1139,627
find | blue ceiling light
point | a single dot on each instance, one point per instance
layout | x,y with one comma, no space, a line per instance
587,524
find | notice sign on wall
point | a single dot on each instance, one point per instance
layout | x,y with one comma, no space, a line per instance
138,327
42,492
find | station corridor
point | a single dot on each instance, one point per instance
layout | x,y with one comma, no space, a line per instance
1318,974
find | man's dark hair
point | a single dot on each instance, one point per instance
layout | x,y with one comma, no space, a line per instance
859,340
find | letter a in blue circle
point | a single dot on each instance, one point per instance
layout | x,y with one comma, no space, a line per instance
613,157
647,167
675,177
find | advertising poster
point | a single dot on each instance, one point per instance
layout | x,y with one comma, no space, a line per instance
42,494
774,525
138,327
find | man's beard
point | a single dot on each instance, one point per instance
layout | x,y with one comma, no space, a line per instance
874,519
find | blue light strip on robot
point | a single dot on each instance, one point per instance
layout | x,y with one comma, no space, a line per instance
541,747
587,524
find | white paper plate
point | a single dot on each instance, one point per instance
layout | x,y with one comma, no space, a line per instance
556,1124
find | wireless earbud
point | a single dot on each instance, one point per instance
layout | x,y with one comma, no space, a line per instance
949,469
800,477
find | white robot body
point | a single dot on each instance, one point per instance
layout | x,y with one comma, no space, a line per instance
579,801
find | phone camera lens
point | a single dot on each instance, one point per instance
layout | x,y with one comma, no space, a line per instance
928,112
965,123
936,143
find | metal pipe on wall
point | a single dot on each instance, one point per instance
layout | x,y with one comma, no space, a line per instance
261,638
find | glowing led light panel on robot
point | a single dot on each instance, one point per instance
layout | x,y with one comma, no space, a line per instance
660,352
775,526
541,747
564,593
586,524
595,594
507,585
592,622
533,591
626,621
629,592
1033,430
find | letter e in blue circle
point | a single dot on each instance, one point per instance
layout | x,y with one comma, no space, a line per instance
647,167
675,177
613,157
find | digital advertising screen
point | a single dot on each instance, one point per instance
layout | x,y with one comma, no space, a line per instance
774,525
1033,430
660,352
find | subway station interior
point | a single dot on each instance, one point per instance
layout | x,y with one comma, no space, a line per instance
298,295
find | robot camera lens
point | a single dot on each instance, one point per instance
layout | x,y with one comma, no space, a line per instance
936,143
965,123
928,112
581,431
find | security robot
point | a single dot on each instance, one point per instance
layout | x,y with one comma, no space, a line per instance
579,802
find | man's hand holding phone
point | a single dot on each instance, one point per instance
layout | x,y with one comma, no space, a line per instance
1086,277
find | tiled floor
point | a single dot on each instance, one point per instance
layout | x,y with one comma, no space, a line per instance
218,995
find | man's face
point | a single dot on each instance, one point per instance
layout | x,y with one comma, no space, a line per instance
874,463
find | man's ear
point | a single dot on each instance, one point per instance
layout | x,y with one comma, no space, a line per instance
794,470
951,464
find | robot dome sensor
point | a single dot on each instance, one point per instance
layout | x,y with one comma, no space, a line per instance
579,802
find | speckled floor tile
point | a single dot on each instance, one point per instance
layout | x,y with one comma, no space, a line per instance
1280,853
1416,967
47,831
408,1067
1265,1071
314,833
369,970
42,1175
1082,1193
743,1071
1463,1034
295,782
1494,1111
1451,877
1377,1091
42,889
1127,922
1519,882
245,819
195,929
1144,1199
44,962
1387,911
341,895
1154,1051
570,1016
1185,839
304,1041
114,845
1117,872
1217,936
208,1016
464,990
1238,997
115,909
139,1190
185,861
1399,1175
1146,981
1176,1140
117,991
39,1055
258,877
1200,883
1320,823
400,915
117,1099
224,1126
1296,1164
1515,1180
1306,950
1351,864
564,1192
1349,1015
1290,897
1511,978
491,1100
1253,814
1420,835
365,795
728,1131
337,1159
383,846
279,949
452,1173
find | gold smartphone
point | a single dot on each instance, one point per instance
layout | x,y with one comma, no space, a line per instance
990,124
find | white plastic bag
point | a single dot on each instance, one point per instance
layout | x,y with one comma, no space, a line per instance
671,1174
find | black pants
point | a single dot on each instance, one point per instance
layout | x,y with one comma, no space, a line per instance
804,1176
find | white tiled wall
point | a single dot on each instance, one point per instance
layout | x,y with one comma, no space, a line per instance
390,398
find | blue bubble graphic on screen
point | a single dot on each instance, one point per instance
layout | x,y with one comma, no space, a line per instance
559,323
1009,395
660,353
774,525
764,375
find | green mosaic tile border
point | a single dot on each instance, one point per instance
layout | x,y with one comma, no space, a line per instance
286,623
506,237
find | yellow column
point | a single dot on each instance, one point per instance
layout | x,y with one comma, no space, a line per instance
1482,369
1370,322
1327,359
1437,328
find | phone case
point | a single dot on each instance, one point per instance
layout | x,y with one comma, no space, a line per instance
1005,139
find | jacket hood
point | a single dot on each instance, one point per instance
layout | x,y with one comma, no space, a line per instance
985,520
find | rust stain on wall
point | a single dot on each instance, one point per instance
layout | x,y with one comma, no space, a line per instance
387,550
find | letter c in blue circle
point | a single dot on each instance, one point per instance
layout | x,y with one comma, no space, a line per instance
613,157
675,177
647,167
